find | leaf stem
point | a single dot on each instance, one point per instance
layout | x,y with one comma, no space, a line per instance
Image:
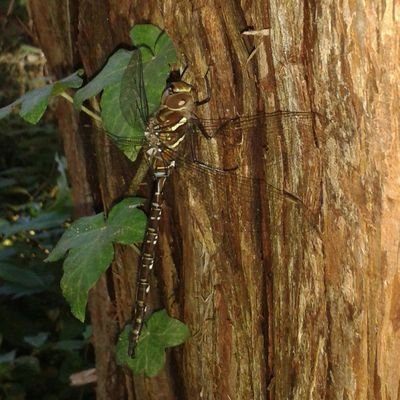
83,108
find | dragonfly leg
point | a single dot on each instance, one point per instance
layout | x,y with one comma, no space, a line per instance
229,123
197,123
208,90
203,165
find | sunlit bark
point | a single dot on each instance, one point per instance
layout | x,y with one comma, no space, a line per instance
283,310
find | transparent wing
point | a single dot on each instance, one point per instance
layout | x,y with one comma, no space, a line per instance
133,99
281,143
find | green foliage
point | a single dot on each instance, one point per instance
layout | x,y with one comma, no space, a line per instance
88,244
32,105
127,77
35,322
34,193
39,213
123,82
157,53
159,332
41,343
20,282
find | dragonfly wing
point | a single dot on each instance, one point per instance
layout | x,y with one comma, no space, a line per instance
240,178
133,99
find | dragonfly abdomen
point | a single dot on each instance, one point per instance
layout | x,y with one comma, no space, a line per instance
146,264
165,130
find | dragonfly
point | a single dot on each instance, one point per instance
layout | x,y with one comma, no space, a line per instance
169,133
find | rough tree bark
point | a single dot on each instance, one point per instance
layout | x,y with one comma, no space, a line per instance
283,311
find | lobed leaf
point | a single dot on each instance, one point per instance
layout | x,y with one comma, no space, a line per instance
159,332
121,80
111,74
145,34
167,331
126,227
34,103
82,232
88,247
82,269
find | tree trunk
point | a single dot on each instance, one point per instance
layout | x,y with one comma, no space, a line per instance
284,301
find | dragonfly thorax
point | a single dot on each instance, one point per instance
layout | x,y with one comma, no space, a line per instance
166,128
164,131
176,87
169,120
178,96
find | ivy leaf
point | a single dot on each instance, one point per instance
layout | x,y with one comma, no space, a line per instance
73,81
166,331
126,223
157,54
79,233
145,34
110,75
82,269
159,332
88,247
142,85
119,83
34,103
117,126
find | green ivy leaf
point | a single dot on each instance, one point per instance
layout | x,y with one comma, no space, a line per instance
88,247
108,81
34,103
73,81
117,126
149,360
82,269
81,232
155,70
111,74
116,80
145,34
166,331
123,221
156,54
159,332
